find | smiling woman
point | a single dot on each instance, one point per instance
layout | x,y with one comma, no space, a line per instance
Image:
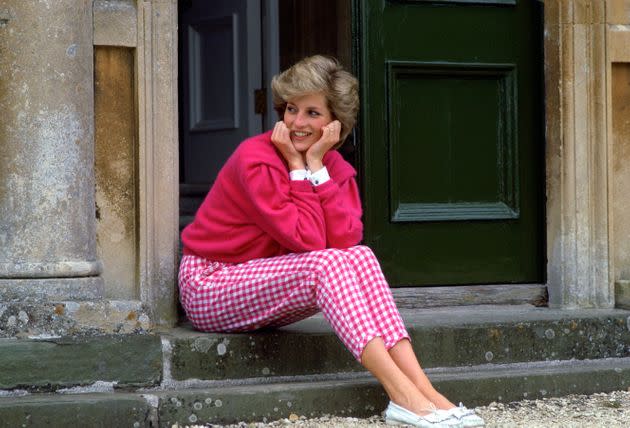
276,241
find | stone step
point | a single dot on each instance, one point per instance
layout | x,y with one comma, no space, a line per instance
83,410
349,395
442,337
50,363
361,396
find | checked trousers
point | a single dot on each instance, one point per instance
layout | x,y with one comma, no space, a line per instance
346,285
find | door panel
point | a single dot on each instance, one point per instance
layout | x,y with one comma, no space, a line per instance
221,62
453,141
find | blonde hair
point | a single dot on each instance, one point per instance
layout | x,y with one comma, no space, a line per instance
320,74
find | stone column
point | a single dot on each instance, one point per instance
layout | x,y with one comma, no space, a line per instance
47,209
577,155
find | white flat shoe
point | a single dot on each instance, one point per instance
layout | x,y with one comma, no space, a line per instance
467,417
396,415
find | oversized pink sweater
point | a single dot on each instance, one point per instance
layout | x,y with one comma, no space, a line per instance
254,210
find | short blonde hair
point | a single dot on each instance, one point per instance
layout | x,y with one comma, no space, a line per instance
320,74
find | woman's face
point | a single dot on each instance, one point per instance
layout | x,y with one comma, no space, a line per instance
305,116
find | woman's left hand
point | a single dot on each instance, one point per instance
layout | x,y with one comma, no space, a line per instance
330,136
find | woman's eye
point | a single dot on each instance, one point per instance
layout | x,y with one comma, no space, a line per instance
313,113
291,109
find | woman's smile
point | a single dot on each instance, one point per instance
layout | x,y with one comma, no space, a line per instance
300,135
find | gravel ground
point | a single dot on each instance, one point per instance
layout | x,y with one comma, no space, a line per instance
574,411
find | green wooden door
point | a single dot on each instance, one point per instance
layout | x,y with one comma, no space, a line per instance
453,157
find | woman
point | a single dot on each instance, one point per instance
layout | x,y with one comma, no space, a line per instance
276,241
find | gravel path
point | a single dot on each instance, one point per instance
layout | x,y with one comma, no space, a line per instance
575,411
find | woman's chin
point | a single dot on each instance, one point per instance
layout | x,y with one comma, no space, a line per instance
301,146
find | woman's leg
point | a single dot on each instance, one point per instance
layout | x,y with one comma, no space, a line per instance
377,294
388,320
277,291
280,290
400,389
223,297
404,357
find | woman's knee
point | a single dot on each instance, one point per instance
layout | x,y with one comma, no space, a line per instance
323,260
329,267
361,252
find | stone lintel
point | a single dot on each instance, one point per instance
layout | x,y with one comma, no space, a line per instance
115,23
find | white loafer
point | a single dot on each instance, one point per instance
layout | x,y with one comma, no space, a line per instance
396,415
467,417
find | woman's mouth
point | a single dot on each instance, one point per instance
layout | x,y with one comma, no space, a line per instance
301,134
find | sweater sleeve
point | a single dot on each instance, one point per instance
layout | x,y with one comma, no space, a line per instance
289,211
342,212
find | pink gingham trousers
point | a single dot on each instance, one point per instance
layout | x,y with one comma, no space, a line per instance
346,285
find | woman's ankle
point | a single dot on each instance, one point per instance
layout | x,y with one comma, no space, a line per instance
420,407
444,404
440,401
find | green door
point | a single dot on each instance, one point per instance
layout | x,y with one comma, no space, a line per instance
453,156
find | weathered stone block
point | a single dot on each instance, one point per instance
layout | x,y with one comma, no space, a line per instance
262,354
271,402
52,363
115,23
90,410
38,316
622,294
441,338
618,11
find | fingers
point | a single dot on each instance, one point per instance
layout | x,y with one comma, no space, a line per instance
281,138
277,131
331,132
333,126
280,134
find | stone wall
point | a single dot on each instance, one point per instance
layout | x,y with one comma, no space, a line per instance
88,217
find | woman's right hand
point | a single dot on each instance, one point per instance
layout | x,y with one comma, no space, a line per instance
281,138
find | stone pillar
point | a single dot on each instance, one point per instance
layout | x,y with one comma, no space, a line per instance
577,155
47,210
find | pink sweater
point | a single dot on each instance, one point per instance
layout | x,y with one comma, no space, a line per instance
254,210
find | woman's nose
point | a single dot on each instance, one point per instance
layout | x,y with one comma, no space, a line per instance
300,120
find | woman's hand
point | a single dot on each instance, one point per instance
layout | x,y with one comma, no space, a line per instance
330,136
281,138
